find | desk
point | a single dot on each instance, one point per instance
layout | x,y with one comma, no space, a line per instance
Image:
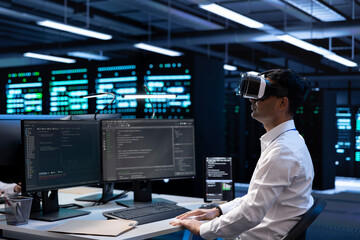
38,229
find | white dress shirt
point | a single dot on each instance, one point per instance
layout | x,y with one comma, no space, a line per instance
279,191
7,187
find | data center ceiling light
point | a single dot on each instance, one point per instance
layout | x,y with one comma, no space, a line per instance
75,30
89,56
156,49
49,57
230,67
233,16
317,10
319,50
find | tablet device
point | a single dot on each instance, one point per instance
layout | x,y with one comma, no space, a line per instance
219,184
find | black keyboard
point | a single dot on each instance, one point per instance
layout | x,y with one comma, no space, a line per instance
151,212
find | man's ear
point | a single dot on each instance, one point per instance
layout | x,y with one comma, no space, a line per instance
284,104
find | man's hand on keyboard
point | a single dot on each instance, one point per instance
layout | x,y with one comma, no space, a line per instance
200,214
191,224
190,220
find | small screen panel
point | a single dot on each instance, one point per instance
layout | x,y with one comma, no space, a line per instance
140,149
60,154
66,90
24,93
169,78
119,80
219,181
343,146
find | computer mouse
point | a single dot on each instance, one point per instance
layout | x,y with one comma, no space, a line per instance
208,205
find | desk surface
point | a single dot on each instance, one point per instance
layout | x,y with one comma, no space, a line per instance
38,229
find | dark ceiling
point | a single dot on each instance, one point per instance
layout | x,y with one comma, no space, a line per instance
182,25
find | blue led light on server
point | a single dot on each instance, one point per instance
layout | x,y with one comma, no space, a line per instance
67,88
169,78
24,93
119,80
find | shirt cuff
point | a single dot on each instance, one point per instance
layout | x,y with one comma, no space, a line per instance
9,189
205,231
227,207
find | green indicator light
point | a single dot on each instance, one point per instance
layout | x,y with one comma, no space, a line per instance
9,75
24,80
38,95
36,73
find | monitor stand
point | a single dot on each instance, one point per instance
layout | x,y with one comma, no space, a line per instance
142,195
50,208
106,195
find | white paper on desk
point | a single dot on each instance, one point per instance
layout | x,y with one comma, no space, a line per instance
111,227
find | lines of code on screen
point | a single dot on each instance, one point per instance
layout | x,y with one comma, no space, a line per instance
147,149
60,154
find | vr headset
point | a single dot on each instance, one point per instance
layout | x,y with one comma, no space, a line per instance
258,88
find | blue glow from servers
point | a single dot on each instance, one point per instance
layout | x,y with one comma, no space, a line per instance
169,78
344,128
24,93
343,122
119,80
357,136
67,88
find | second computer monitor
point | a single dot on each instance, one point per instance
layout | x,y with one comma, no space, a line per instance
145,149
141,150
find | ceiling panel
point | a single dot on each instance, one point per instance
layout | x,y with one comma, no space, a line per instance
192,30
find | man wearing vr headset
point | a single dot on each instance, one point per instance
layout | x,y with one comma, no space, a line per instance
280,188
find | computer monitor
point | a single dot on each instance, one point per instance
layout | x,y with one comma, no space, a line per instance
141,150
59,154
218,179
10,148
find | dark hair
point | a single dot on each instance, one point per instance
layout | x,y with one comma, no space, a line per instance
297,86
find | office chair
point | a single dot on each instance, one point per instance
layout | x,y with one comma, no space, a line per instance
298,232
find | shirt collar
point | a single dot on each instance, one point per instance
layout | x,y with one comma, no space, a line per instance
268,137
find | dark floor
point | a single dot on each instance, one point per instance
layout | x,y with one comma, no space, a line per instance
339,220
